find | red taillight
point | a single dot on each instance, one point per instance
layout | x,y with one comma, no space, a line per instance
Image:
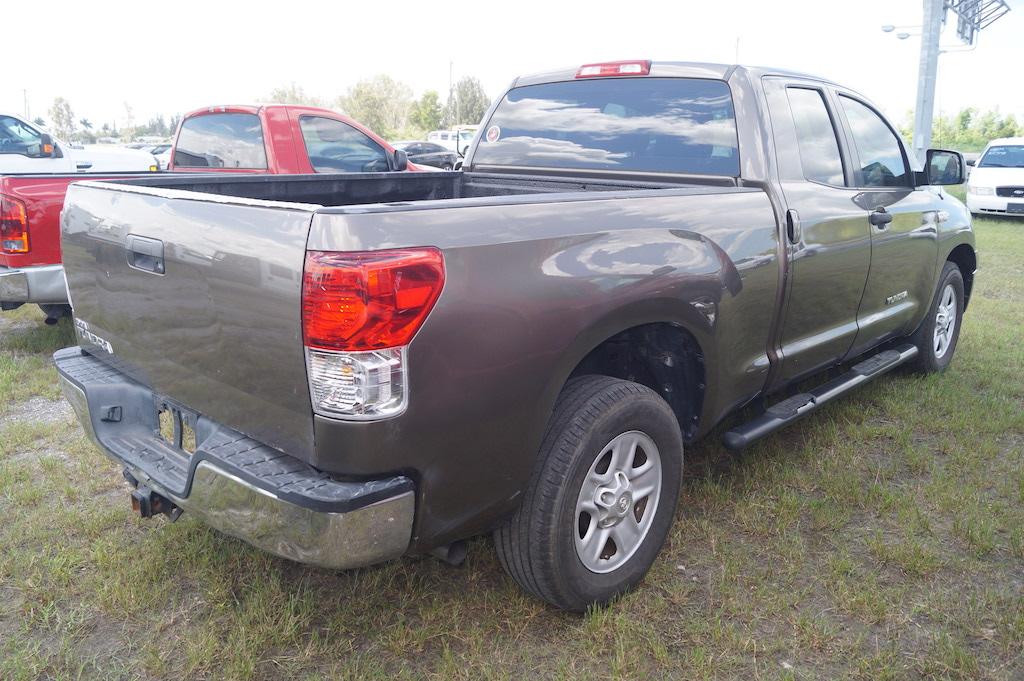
13,225
615,68
368,301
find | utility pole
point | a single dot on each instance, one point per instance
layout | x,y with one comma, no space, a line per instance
931,30
24,94
972,17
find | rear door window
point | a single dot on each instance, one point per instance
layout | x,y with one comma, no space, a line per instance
335,147
816,137
878,149
221,140
660,125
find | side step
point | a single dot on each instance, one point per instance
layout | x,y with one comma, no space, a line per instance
792,408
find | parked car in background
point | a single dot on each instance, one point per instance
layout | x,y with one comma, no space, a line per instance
996,184
351,368
28,148
162,153
35,170
269,139
279,139
429,154
457,140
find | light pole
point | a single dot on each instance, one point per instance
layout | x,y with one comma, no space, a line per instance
972,16
927,71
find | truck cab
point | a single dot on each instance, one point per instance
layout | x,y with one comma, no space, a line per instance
279,139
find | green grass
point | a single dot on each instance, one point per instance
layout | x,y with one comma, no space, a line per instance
882,539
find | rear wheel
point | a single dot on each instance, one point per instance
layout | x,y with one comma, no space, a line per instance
601,502
937,337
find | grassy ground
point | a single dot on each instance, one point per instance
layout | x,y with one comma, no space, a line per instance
883,539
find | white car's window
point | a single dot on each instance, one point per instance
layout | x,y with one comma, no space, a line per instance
1003,156
18,138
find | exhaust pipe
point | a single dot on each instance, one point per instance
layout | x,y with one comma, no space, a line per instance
453,554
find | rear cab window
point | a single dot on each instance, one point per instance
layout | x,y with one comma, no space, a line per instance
651,125
221,140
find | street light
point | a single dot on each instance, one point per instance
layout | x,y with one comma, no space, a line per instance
972,17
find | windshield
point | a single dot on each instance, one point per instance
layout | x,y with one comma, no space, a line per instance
1003,156
663,125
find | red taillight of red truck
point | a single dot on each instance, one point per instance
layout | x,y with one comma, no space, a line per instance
13,225
360,311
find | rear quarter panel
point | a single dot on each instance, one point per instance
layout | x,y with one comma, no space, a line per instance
44,198
532,285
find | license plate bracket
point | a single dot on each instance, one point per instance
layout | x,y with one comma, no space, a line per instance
1015,207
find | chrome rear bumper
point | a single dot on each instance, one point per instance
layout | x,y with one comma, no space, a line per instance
239,486
38,284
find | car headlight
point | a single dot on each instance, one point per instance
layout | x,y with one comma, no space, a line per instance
980,191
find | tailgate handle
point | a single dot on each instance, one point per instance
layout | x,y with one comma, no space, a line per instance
145,254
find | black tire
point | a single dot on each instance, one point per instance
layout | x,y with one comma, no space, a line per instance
928,359
537,547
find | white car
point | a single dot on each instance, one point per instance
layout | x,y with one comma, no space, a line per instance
28,148
996,184
161,152
457,140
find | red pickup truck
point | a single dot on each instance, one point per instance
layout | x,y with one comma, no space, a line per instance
271,138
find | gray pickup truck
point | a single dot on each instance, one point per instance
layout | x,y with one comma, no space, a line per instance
342,369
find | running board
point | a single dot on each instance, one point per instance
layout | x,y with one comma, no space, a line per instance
792,408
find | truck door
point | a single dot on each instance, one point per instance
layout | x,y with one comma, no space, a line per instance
827,231
903,225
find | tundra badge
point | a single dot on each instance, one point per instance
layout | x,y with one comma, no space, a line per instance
82,327
895,298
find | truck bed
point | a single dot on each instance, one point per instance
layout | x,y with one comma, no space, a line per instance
352,189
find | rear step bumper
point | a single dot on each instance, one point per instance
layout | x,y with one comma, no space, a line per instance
234,483
795,407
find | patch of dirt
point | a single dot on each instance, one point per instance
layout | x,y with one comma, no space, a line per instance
40,409
9,323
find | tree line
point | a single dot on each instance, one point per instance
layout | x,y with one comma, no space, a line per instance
967,130
388,107
381,103
66,126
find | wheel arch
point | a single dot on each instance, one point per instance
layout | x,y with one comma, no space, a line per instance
966,260
645,343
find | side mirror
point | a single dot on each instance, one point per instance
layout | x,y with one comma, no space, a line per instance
972,161
45,148
399,160
944,167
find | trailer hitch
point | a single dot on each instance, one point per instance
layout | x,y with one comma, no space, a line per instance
148,503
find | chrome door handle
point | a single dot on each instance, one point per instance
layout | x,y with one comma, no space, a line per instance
880,217
145,254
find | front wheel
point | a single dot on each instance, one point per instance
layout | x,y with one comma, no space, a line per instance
937,337
601,501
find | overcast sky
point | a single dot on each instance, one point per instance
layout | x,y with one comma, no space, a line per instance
166,58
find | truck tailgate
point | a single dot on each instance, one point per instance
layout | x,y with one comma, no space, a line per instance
198,297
